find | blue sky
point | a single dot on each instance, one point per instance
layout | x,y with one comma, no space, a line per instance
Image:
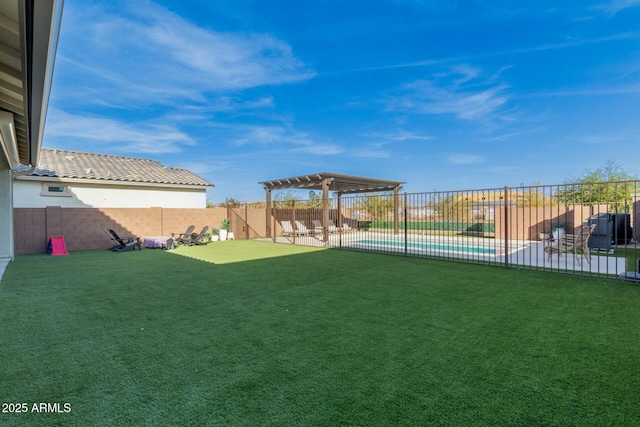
443,95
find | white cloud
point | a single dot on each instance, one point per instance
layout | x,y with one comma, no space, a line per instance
371,152
606,139
514,135
399,135
461,91
322,149
144,52
66,130
616,6
282,138
466,159
257,135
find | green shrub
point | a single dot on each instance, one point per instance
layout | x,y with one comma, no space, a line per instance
438,226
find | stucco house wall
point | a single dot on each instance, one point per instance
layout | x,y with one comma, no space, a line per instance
31,192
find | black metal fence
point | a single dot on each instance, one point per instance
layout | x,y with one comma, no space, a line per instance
587,229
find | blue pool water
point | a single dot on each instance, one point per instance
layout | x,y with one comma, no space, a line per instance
431,246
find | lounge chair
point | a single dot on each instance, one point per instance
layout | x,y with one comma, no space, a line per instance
287,228
184,238
575,244
317,226
122,244
346,228
197,238
302,229
318,229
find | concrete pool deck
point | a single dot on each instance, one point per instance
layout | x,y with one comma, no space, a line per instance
521,252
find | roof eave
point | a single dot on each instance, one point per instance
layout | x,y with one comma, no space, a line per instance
42,26
46,178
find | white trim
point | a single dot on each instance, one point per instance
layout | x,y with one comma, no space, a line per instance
47,18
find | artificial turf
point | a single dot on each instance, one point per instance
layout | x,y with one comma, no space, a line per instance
252,333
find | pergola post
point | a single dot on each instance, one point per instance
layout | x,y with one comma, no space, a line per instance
268,210
325,209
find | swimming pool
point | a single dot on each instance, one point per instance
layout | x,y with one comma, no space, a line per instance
427,245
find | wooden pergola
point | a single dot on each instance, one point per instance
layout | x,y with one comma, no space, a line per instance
332,182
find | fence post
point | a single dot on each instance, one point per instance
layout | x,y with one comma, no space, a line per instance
395,210
404,208
340,220
273,218
293,219
506,227
246,221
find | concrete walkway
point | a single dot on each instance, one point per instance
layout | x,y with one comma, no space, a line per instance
475,249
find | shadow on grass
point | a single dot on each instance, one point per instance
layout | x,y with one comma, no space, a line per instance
277,334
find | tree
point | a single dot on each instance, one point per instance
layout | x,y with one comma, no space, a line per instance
609,184
452,207
378,206
532,197
230,202
285,200
314,202
611,171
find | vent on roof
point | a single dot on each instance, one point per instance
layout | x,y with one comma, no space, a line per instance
69,157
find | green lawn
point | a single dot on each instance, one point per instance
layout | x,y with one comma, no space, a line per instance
249,333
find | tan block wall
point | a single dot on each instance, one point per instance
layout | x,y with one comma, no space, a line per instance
248,223
526,223
177,220
83,228
30,230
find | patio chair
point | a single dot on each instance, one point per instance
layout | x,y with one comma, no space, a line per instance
302,229
183,238
317,226
287,228
318,229
575,244
197,238
123,244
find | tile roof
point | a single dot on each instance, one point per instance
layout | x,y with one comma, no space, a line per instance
105,167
